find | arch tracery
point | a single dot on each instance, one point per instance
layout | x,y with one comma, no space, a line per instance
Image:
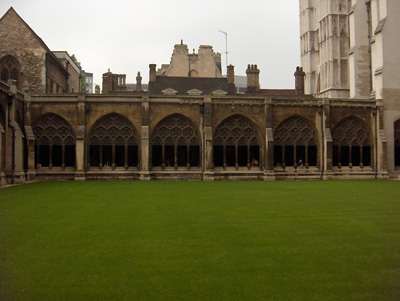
236,143
295,143
113,142
351,143
175,142
55,141
10,69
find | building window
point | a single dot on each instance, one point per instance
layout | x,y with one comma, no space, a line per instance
351,143
237,143
55,142
295,143
113,143
175,142
9,67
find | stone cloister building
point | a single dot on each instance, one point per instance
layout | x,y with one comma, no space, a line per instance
188,127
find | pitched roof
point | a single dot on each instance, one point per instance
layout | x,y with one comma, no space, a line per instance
184,84
11,10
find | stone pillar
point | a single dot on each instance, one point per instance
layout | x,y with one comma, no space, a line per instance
30,138
80,174
2,152
208,174
14,168
97,89
145,145
299,80
138,82
381,141
253,79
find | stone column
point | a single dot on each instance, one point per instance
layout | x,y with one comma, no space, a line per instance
80,171
381,141
145,145
208,174
30,138
2,152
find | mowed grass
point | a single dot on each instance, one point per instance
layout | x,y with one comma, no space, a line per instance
316,240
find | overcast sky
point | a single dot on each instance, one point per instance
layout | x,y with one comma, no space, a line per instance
127,35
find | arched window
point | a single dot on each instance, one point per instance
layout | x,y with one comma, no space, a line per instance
55,142
397,143
237,143
175,142
9,69
351,144
295,142
194,73
113,143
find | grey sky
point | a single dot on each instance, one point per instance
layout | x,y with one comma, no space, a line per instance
126,36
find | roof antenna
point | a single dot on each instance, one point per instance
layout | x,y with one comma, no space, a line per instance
226,46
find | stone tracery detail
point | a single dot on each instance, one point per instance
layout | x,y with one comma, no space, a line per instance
113,142
175,142
236,143
9,69
351,143
55,141
295,142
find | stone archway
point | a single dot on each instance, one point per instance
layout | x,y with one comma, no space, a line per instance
175,142
55,142
295,143
113,142
351,143
237,143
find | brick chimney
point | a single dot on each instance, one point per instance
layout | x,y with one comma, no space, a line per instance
231,79
152,77
253,79
231,74
138,82
107,82
299,80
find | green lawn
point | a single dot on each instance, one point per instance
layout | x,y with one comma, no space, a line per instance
308,240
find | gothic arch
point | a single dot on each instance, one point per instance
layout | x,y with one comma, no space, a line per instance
237,142
397,143
55,141
10,69
351,143
113,142
175,141
295,143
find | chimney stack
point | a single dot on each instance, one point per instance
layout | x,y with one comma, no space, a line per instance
231,79
231,74
152,77
299,80
107,82
253,79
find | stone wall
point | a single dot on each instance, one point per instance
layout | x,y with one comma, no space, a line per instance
19,41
